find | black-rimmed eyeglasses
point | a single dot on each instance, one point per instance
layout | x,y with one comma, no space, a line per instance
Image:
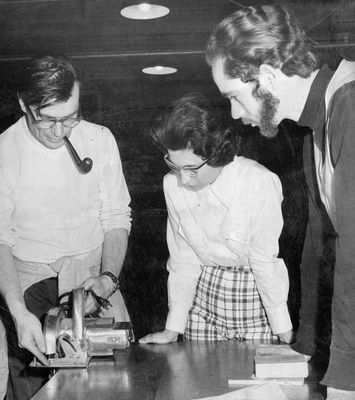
176,168
48,122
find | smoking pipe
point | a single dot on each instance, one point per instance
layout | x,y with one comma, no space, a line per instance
84,166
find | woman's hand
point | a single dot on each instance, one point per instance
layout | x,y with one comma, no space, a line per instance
162,337
286,337
338,394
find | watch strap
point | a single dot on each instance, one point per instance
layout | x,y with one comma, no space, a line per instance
114,279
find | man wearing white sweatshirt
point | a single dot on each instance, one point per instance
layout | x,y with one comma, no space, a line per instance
62,224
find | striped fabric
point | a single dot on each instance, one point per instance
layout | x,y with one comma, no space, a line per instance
227,306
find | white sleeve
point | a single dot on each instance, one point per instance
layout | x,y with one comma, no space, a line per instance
115,212
7,207
270,273
184,270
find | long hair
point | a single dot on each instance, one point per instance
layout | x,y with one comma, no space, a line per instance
46,80
193,123
259,35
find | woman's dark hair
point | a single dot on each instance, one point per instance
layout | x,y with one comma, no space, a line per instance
193,123
46,80
260,35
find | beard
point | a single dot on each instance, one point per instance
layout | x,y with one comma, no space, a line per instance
268,110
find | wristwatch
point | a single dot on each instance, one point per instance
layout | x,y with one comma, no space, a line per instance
114,279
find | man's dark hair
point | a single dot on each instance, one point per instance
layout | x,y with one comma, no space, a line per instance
193,123
47,79
259,35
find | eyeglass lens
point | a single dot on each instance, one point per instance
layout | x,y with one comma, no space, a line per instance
49,122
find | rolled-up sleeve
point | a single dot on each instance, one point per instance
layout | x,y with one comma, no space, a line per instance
7,228
115,212
270,272
184,270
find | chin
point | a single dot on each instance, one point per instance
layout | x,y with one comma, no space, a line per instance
53,145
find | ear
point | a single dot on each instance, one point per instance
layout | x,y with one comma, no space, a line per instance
267,77
22,105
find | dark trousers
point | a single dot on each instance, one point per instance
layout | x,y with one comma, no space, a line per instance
25,381
317,268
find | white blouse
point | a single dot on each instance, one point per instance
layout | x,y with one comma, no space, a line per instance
234,221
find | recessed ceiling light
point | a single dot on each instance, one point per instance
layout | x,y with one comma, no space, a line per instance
144,11
159,70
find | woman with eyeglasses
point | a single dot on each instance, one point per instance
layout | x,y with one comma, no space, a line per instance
224,221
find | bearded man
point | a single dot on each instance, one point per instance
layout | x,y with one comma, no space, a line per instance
262,62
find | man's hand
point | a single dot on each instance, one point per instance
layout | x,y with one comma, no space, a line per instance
30,336
286,337
102,286
162,337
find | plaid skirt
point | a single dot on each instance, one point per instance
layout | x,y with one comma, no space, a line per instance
227,306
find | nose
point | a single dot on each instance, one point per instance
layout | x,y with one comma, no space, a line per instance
185,177
58,130
236,110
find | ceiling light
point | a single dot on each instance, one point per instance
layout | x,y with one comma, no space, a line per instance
144,11
159,70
